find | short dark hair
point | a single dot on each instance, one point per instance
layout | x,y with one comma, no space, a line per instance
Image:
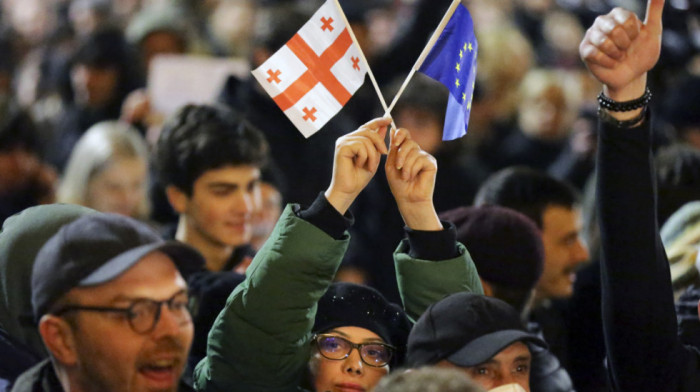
199,138
422,93
527,191
18,130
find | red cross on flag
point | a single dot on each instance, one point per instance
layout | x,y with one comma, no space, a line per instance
316,72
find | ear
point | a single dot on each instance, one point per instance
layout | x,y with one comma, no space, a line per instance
177,198
59,339
488,290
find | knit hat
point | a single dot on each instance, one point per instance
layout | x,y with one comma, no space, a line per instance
353,305
465,329
506,246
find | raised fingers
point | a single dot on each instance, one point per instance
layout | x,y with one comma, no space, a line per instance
363,152
628,21
376,130
398,136
609,38
403,150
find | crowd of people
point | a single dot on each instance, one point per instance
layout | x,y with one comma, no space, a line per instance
552,249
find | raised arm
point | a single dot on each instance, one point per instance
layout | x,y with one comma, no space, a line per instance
260,341
430,264
644,353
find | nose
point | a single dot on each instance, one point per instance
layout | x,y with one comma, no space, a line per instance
504,379
580,251
353,363
243,202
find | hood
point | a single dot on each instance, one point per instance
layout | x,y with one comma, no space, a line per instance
21,238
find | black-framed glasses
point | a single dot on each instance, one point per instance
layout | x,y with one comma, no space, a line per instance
143,313
336,348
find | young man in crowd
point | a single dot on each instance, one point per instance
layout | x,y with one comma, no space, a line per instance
111,302
481,335
209,161
553,206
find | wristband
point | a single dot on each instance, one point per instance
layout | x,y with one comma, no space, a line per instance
607,118
627,106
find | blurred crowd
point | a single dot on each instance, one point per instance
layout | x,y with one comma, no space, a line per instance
78,125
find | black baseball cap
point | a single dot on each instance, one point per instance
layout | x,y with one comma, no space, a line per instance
96,249
466,329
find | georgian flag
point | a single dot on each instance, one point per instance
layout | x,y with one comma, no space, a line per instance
316,72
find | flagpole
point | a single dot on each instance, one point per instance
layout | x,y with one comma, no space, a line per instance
364,60
426,50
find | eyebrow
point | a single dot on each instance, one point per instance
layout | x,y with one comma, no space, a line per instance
346,336
231,185
126,298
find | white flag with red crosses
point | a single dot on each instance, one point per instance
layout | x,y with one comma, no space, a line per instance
316,72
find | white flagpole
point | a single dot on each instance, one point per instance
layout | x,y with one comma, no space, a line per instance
364,60
426,50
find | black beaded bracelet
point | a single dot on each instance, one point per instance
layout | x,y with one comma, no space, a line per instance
627,106
606,117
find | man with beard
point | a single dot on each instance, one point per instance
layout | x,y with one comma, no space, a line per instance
111,300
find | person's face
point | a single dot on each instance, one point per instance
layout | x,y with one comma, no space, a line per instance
119,188
349,374
111,356
564,252
266,214
425,128
160,42
222,203
542,116
94,87
509,366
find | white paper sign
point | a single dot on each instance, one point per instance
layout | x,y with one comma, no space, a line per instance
176,80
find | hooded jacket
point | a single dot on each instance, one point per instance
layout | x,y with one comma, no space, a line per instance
22,236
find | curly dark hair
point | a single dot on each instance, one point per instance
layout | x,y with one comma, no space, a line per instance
199,138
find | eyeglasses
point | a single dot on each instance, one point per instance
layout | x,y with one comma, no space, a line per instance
143,314
336,348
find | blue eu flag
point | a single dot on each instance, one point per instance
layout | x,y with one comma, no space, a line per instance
452,62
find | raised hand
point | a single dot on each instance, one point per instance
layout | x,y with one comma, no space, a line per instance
357,157
619,50
411,172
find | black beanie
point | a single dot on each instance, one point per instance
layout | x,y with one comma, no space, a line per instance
354,305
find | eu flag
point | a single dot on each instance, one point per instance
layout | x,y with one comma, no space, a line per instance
452,62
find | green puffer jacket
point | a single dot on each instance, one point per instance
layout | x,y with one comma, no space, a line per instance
261,340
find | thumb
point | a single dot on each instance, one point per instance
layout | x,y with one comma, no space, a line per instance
653,18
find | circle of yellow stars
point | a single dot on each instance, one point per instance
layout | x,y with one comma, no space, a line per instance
458,67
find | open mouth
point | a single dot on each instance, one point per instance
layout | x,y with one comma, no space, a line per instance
161,373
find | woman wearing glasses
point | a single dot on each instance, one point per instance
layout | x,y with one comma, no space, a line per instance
283,320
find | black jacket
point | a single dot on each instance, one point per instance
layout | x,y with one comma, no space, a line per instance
15,358
643,349
42,378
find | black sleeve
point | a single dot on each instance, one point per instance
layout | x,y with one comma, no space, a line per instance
433,245
639,321
324,216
